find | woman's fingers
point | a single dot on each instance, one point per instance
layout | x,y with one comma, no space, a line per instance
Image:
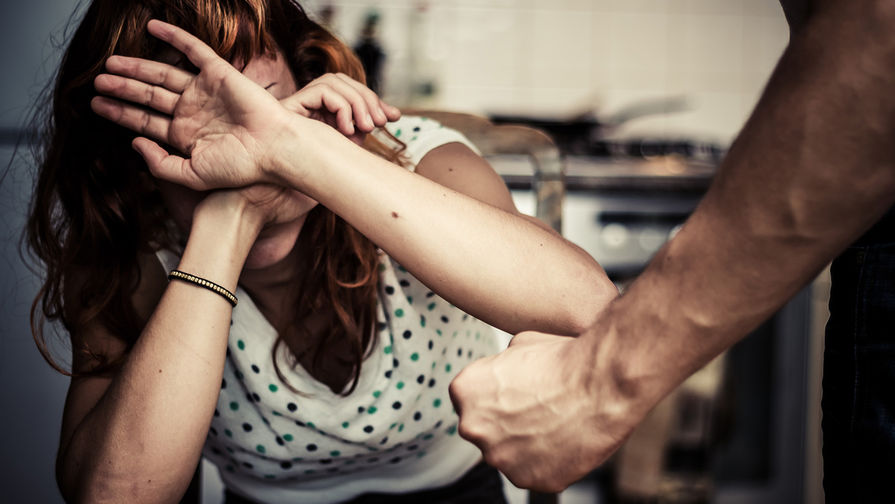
166,166
134,91
195,50
142,121
371,100
152,72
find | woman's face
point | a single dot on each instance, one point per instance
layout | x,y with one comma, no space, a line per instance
288,209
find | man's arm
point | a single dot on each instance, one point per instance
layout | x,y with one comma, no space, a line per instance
812,169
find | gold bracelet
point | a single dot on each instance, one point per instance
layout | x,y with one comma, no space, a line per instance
201,282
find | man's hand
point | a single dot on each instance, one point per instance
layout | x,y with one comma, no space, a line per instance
540,412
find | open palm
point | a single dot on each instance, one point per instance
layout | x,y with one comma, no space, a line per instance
219,119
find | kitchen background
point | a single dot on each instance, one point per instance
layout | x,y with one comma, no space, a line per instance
697,66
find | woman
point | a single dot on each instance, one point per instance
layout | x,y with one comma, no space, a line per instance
298,344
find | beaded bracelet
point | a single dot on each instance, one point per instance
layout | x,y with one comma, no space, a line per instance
201,282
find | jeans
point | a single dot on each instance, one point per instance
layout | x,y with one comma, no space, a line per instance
480,485
859,371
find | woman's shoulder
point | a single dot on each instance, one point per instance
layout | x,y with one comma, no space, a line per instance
422,134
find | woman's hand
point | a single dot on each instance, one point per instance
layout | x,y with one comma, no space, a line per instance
343,103
226,125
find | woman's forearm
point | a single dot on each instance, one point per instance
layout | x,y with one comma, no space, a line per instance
498,266
143,438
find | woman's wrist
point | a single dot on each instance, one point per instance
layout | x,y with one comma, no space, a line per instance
223,231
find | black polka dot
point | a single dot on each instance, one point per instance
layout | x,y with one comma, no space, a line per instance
459,352
396,405
412,447
388,374
381,326
280,441
445,319
256,397
247,427
286,464
361,409
395,363
223,384
389,290
416,128
384,440
217,413
465,316
326,461
213,431
333,470
255,369
431,344
248,465
231,321
368,429
372,460
407,334
291,406
438,424
299,423
216,451
417,416
469,354
394,460
239,375
420,379
404,283
311,447
431,382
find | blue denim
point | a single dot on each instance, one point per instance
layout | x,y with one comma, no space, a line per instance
859,371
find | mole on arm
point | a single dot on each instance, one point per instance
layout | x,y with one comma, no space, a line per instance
395,215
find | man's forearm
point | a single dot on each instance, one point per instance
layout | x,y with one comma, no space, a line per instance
812,169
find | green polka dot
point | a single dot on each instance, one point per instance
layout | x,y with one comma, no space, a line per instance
288,437
230,450
371,410
414,356
451,430
422,321
387,349
431,306
261,448
399,312
311,425
478,335
335,453
377,393
436,403
400,385
297,459
276,413
272,387
240,344
402,269
447,368
228,432
428,437
381,268
401,428
454,335
414,138
409,299
234,405
433,365
345,425
438,332
309,471
392,426
421,454
349,462
398,133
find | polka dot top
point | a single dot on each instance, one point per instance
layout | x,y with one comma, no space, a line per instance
397,432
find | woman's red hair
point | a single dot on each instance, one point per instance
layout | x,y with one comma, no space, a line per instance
96,208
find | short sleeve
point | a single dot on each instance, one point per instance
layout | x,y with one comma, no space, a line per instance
421,135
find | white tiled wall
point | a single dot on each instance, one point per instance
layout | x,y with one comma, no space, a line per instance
562,57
